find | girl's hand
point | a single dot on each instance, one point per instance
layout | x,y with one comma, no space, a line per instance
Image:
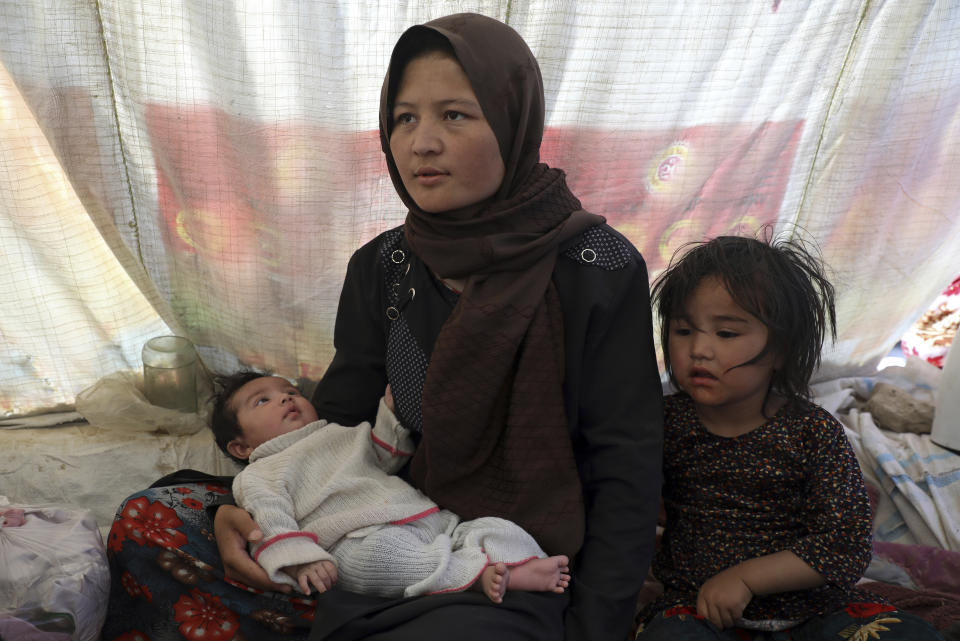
723,597
320,574
233,529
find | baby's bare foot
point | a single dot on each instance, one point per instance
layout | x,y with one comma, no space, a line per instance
551,574
493,581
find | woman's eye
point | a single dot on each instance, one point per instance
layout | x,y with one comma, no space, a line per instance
403,119
454,115
727,334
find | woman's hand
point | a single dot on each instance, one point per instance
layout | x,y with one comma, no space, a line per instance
233,529
723,597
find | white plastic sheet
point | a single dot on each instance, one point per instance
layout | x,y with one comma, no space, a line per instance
96,468
54,578
228,156
117,402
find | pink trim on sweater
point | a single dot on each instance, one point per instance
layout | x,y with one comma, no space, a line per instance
280,537
516,563
416,517
464,587
387,447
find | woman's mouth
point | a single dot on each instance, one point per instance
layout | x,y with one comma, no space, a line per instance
429,176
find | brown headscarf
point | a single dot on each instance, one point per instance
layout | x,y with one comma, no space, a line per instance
496,440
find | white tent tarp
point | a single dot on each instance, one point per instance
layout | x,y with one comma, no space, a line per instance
228,156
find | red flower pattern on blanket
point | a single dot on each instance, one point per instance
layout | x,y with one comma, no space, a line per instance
147,523
865,610
203,618
115,538
133,588
306,608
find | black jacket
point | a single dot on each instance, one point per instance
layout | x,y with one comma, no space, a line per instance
611,388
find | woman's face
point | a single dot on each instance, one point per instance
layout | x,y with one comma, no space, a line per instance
445,151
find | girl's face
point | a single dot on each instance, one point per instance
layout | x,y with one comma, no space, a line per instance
267,407
709,347
445,151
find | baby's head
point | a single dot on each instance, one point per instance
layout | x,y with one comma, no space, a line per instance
779,282
250,408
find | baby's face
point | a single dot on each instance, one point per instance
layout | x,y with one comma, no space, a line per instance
266,408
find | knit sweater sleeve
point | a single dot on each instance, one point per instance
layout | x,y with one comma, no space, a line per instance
260,489
391,441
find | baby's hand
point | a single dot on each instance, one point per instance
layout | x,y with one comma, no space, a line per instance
723,598
320,574
388,398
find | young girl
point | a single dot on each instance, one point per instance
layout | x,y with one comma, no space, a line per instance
768,520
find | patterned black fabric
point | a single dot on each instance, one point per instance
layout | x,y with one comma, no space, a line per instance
406,361
600,248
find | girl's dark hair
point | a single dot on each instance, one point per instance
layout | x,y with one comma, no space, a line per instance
779,281
223,418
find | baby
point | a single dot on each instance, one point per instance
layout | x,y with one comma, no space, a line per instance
332,511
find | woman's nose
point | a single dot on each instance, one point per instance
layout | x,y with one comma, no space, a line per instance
427,138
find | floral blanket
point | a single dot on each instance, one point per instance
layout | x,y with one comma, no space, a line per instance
931,336
163,591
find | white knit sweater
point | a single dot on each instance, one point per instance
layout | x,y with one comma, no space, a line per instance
308,488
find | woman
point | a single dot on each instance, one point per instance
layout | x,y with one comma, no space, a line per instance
517,338
514,329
